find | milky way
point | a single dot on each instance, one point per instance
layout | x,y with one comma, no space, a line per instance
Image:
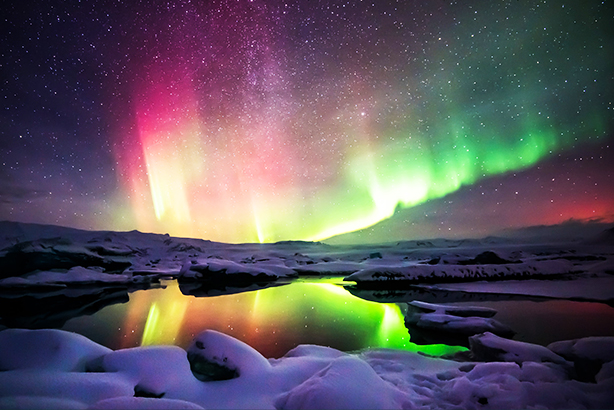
249,121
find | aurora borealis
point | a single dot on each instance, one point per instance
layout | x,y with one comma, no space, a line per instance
259,121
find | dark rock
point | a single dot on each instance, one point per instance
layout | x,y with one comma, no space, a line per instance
141,392
208,371
486,258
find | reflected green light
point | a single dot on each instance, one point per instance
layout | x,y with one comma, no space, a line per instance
151,326
275,319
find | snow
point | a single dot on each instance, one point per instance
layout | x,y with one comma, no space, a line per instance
47,349
591,348
80,374
487,346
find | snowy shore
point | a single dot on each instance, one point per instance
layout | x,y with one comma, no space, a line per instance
43,369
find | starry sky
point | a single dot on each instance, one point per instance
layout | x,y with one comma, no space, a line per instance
259,121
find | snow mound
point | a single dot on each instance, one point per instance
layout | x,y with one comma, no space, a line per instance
39,403
591,348
143,403
143,366
331,388
216,356
87,388
47,349
591,356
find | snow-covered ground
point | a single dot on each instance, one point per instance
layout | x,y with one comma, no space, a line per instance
56,369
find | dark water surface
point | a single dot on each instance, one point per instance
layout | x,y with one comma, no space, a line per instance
308,311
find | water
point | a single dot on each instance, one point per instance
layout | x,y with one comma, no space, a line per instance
315,311
272,320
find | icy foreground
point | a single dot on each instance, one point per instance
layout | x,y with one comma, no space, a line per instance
43,369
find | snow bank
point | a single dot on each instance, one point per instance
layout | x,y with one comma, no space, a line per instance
45,369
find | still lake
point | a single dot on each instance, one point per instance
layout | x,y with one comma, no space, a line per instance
319,311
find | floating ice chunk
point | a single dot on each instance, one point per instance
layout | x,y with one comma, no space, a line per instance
433,323
489,347
460,325
347,383
461,311
47,349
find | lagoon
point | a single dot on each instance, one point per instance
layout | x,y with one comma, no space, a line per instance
323,311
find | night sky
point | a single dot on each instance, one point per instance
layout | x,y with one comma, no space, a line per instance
247,121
